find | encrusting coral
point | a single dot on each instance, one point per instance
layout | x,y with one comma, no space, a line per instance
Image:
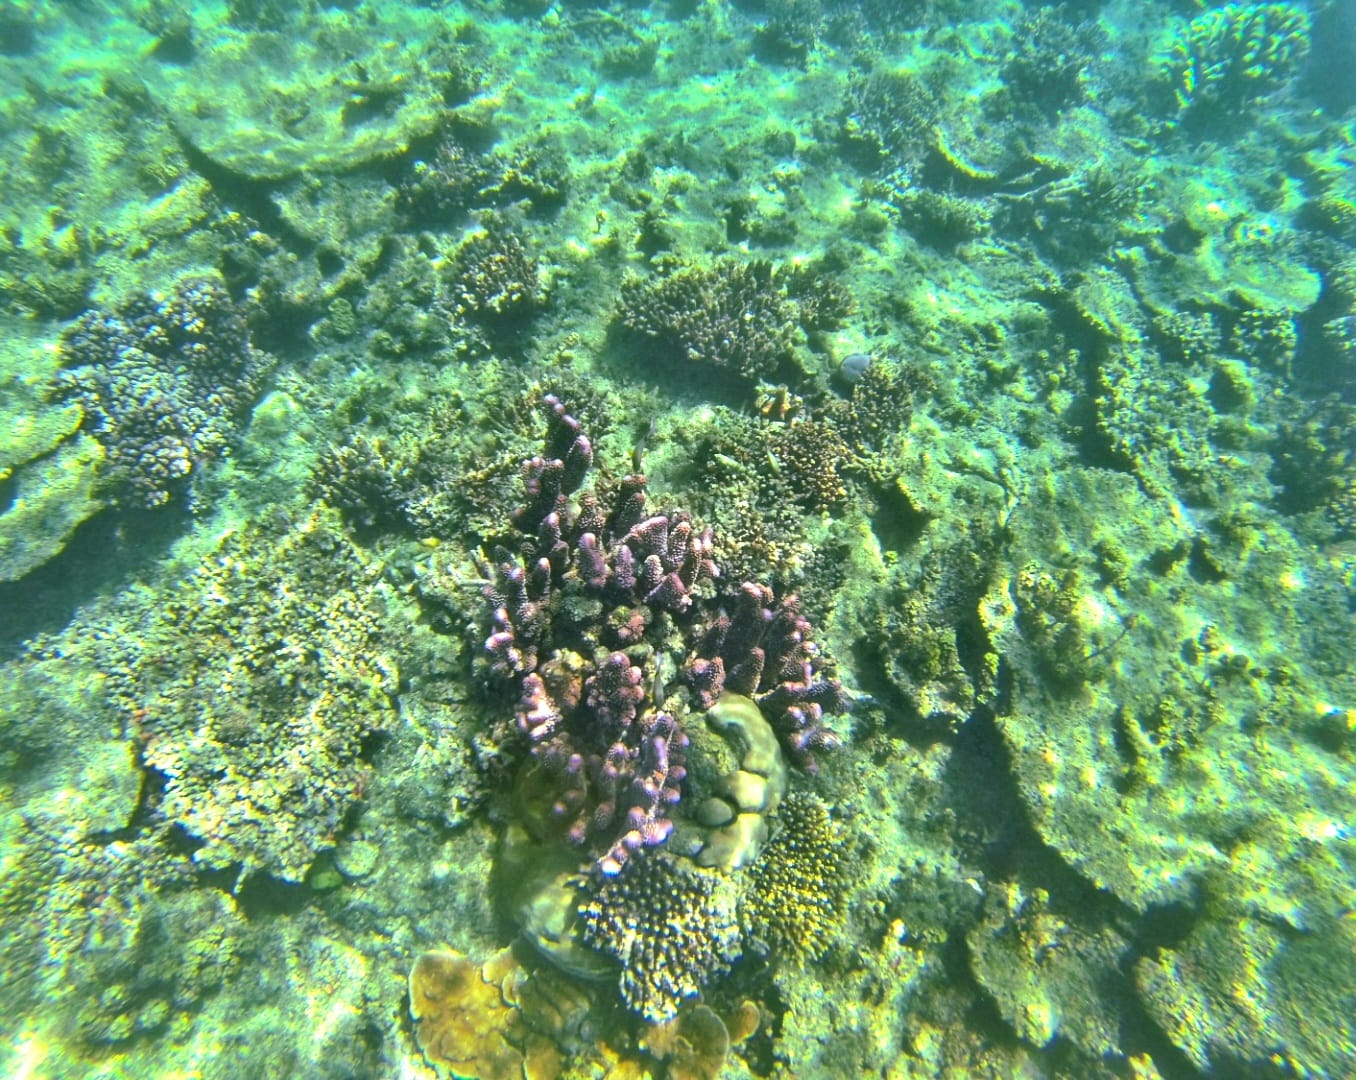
494,1019
253,702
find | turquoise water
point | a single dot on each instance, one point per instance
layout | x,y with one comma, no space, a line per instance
968,687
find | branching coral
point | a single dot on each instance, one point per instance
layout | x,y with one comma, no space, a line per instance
732,316
591,603
797,896
765,650
1232,55
673,928
495,281
887,119
164,380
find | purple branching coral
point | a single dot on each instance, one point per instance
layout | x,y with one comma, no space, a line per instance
593,602
764,651
590,720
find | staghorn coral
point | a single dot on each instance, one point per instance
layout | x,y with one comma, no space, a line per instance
585,584
672,928
254,689
164,380
797,895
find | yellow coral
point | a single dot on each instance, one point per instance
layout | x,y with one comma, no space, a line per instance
486,1021
799,885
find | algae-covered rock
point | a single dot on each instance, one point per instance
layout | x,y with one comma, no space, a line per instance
1242,997
1046,972
53,495
328,98
48,471
1220,252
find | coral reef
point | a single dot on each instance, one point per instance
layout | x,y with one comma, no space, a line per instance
1226,58
253,701
672,928
1079,535
797,900
164,381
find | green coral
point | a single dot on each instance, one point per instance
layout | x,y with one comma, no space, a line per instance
1235,54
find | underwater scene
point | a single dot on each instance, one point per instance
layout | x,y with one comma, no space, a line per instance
677,539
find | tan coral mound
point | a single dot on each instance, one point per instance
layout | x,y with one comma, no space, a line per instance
469,1023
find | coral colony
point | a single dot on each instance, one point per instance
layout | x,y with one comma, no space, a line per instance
598,591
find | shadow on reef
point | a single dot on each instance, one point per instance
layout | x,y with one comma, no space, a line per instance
105,551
